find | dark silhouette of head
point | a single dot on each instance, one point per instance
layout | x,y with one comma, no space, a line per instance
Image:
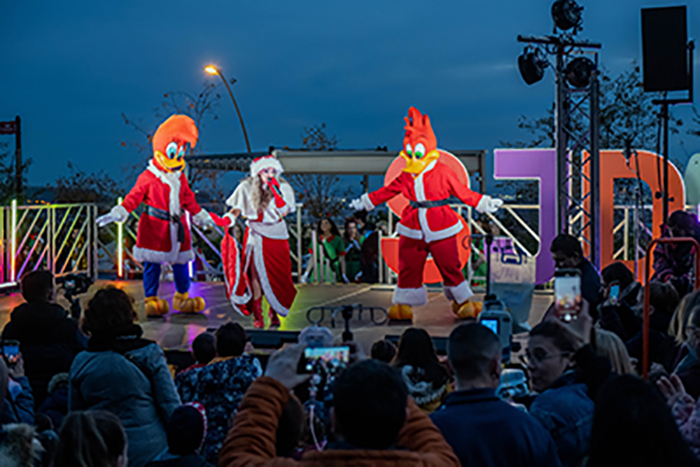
383,350
94,438
204,347
416,349
185,430
474,352
107,311
230,340
369,405
617,271
566,251
37,286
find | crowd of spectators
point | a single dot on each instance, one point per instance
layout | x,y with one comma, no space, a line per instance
97,393
347,256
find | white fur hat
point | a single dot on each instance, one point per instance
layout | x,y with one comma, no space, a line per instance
265,162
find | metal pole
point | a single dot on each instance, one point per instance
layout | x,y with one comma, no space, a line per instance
664,116
18,157
561,142
238,111
299,243
594,155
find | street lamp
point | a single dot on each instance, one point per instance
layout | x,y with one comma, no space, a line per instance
213,70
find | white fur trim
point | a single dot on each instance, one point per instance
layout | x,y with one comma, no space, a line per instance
230,217
248,294
366,202
152,256
458,293
418,186
413,297
408,232
262,275
236,301
435,235
263,163
277,230
483,205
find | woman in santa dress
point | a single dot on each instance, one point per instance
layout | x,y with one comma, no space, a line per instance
264,199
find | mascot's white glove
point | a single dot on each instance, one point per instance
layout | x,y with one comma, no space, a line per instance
357,204
203,219
117,214
488,204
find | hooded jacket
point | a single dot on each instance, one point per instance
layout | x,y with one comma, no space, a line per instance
49,340
251,440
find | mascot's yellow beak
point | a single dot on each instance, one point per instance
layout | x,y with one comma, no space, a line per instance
171,165
416,166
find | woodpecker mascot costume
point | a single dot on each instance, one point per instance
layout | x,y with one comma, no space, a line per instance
164,233
428,225
265,266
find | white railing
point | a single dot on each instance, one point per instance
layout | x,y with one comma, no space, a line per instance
60,238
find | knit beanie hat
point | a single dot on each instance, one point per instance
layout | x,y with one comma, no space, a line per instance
186,429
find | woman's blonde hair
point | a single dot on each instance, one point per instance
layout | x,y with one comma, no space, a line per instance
679,320
261,198
608,344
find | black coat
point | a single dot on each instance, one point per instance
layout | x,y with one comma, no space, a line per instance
49,340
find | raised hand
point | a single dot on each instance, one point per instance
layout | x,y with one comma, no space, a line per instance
489,204
283,365
672,389
116,214
357,205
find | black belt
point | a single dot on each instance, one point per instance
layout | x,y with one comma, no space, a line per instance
164,215
429,204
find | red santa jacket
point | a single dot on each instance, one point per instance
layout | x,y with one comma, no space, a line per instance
157,239
436,183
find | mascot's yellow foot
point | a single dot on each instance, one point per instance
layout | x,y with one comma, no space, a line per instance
185,304
156,306
400,313
467,309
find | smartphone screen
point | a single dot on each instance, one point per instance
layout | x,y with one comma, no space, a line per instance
10,350
567,293
329,356
492,324
614,293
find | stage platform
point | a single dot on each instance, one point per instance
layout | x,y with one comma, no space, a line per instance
176,331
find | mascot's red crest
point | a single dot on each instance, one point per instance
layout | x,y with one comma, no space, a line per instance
419,143
170,141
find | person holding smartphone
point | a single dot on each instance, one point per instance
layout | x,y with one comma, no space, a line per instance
618,312
48,337
567,254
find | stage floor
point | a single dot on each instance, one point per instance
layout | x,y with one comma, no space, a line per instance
176,331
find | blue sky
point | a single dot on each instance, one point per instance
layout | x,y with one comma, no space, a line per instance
71,68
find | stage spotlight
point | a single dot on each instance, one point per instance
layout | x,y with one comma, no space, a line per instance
566,14
578,72
531,65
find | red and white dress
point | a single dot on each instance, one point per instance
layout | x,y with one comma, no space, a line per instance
266,244
427,230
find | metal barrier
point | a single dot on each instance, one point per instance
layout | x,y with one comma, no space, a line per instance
117,242
647,291
60,238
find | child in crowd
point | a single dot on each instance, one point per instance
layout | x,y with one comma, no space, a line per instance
186,429
383,350
203,350
93,438
55,406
